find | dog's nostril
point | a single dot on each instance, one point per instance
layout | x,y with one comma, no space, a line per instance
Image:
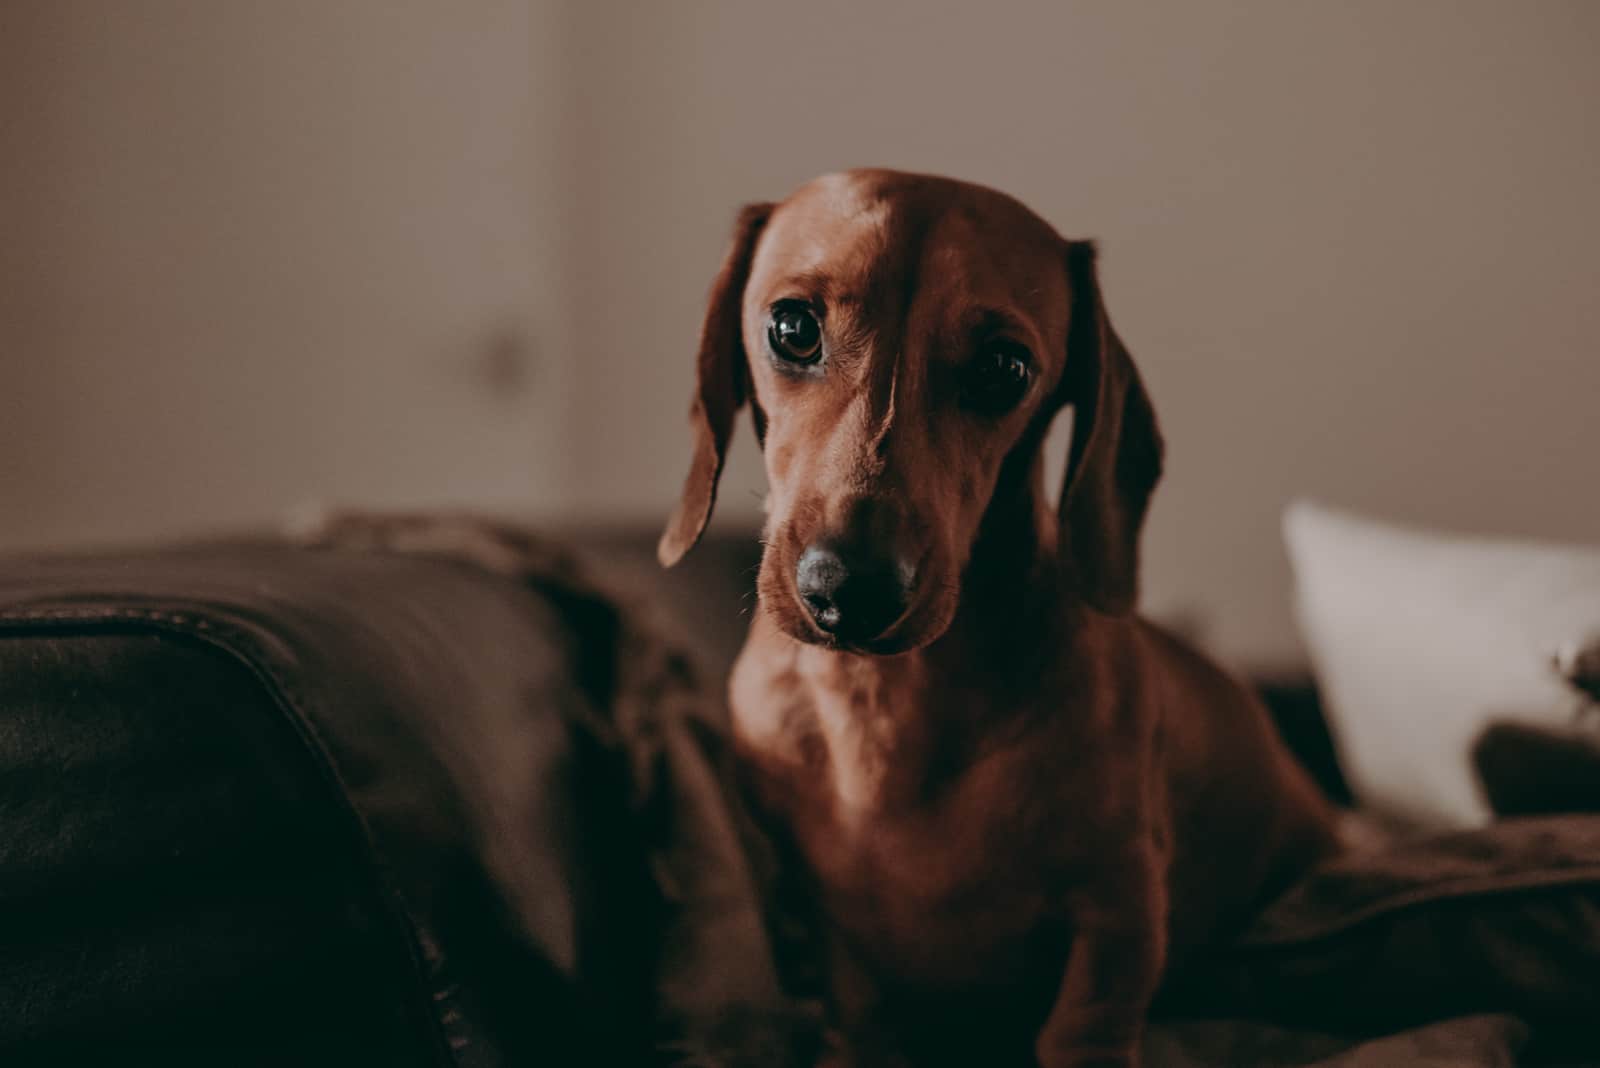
819,576
823,610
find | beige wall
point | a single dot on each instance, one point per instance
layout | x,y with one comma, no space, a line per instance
254,253
261,253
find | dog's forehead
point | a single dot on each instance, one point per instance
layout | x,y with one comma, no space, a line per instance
865,235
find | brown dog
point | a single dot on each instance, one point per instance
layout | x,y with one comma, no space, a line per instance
1015,801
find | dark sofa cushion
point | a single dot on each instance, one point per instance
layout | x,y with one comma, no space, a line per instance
176,884
316,807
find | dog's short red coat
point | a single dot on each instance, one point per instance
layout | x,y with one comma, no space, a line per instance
1022,803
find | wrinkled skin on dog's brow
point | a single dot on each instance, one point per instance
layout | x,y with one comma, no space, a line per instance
1015,804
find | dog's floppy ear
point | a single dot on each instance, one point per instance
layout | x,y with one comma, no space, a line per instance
1115,460
720,388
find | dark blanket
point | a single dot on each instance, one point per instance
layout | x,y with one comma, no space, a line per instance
1473,948
556,826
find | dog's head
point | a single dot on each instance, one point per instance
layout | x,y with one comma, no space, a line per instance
904,342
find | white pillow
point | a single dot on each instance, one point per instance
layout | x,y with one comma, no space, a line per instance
1418,639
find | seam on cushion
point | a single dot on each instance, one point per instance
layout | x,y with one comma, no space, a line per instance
233,639
258,660
1456,890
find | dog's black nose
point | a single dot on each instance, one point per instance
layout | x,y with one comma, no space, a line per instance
850,595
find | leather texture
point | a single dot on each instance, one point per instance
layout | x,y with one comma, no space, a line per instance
259,803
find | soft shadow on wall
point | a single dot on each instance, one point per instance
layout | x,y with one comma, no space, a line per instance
260,252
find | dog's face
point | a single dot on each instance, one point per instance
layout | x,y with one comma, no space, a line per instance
901,339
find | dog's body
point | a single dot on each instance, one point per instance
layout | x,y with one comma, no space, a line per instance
1014,801
962,831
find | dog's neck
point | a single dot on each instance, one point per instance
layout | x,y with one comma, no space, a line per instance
897,727
1010,588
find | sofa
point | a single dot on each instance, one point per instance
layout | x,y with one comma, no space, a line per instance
359,802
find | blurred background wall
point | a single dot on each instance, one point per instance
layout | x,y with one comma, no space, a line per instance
253,255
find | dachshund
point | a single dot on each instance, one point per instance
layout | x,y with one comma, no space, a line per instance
1014,803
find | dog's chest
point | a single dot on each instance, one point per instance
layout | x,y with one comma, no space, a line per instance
925,857
949,894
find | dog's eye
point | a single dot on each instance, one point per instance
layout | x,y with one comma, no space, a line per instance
998,378
795,334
